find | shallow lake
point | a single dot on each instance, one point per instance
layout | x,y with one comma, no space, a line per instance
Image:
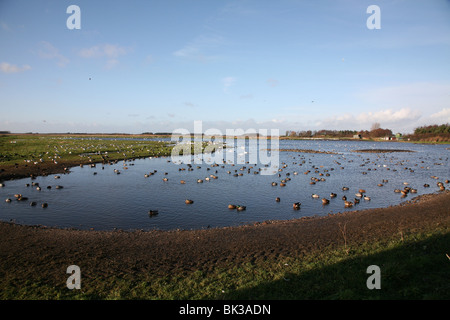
99,198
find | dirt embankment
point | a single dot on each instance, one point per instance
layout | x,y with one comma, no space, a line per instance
48,251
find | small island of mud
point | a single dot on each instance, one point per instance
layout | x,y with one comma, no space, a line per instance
382,150
303,151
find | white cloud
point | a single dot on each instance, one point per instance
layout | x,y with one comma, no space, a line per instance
48,51
199,49
104,50
394,119
228,82
109,51
442,116
272,82
4,26
11,68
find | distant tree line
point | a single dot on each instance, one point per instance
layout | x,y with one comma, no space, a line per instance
375,132
322,133
431,133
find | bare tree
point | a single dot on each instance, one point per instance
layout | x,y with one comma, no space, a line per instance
375,126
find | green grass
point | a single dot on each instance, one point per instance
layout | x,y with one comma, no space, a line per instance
414,267
32,149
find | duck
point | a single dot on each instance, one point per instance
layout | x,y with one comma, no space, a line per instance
367,198
8,200
231,206
344,198
33,203
296,205
325,201
189,201
359,194
241,208
314,195
44,205
348,204
152,213
277,199
183,182
356,200
344,188
333,195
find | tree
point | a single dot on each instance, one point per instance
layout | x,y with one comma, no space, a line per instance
375,126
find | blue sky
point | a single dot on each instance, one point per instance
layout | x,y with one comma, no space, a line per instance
137,66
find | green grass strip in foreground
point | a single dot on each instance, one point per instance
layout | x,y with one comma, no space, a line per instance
414,267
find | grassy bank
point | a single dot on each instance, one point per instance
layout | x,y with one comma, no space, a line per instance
413,266
36,149
28,154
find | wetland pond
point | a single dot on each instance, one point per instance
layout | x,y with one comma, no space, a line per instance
99,198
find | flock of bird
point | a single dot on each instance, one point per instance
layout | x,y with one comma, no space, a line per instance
282,172
348,201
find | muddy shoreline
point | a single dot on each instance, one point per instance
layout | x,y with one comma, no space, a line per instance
46,252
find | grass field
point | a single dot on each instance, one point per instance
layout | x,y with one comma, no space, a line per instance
412,267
